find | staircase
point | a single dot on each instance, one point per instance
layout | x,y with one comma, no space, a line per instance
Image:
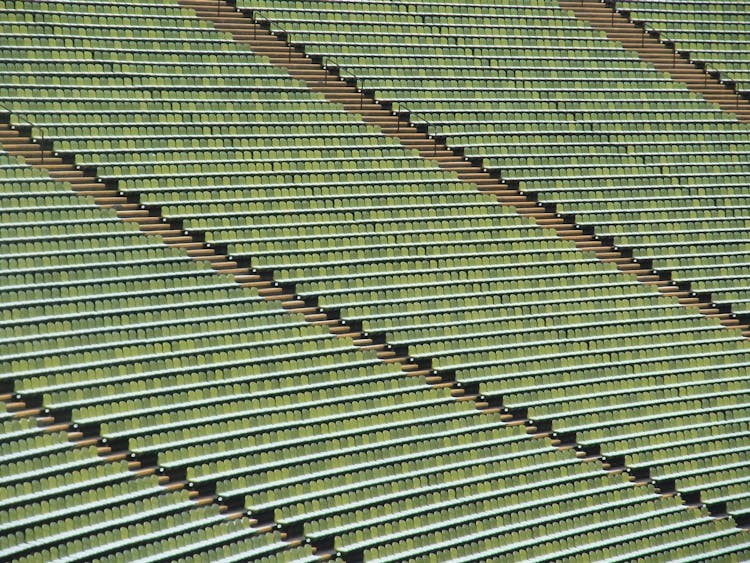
662,55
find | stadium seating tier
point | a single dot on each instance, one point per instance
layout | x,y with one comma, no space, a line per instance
159,356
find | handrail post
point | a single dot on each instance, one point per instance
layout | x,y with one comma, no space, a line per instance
427,123
362,95
257,16
408,112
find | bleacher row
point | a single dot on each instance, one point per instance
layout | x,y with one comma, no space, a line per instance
184,366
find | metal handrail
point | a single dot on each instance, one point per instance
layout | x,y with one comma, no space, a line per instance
31,126
412,117
359,81
258,16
